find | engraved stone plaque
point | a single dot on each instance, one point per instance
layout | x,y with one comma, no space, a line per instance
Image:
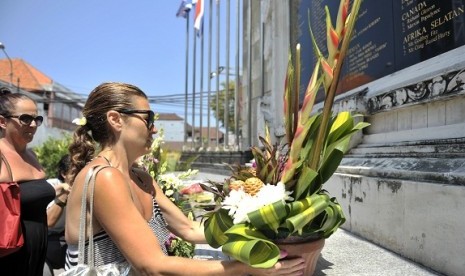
389,35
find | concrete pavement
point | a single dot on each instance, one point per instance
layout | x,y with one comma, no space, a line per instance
347,255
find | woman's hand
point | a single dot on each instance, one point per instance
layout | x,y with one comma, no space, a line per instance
62,189
283,267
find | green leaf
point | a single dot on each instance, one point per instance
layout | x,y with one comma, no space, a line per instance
303,211
341,125
311,136
251,247
316,50
333,219
306,178
270,177
289,100
288,174
330,165
216,226
268,146
361,125
268,217
259,157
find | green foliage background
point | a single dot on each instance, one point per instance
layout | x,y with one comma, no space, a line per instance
50,153
219,112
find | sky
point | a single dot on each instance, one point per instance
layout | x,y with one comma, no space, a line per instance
82,43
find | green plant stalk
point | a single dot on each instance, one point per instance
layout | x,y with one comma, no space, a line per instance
296,88
288,100
329,100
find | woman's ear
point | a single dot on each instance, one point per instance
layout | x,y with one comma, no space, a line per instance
2,122
114,119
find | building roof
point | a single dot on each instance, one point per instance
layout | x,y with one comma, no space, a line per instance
35,97
204,131
24,75
169,117
67,95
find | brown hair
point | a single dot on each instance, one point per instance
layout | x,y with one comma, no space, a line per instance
105,97
8,101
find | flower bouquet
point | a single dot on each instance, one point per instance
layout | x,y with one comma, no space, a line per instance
281,201
171,184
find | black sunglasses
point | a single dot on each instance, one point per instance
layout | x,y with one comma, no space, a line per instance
150,120
26,119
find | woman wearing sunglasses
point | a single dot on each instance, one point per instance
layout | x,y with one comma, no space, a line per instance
132,218
18,124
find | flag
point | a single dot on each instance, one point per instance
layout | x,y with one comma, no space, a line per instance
184,8
198,21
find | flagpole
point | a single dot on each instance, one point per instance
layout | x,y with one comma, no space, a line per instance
226,88
237,66
201,87
217,73
194,69
249,77
210,23
186,84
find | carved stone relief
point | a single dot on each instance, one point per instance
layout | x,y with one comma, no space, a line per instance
444,85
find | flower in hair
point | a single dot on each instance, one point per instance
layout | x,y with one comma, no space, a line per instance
80,121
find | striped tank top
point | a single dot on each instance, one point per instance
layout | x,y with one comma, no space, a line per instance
106,251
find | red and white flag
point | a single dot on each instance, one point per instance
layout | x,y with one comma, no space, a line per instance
198,21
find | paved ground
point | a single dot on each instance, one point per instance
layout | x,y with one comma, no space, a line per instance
347,255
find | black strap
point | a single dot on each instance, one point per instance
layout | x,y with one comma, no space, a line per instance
7,166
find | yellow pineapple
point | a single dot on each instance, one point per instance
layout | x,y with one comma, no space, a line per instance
236,184
253,185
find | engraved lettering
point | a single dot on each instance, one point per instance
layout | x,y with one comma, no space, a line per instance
429,12
414,35
447,17
414,11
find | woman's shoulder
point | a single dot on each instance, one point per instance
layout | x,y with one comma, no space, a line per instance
101,172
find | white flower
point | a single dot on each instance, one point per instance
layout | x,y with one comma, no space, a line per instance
233,200
170,179
187,174
272,193
247,205
80,121
240,203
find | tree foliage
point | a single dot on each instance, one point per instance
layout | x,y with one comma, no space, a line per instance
50,153
219,112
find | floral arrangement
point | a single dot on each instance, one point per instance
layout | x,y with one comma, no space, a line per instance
281,199
170,184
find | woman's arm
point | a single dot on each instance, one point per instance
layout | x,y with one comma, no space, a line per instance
55,208
178,223
116,213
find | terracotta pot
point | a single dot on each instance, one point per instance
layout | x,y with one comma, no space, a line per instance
310,251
